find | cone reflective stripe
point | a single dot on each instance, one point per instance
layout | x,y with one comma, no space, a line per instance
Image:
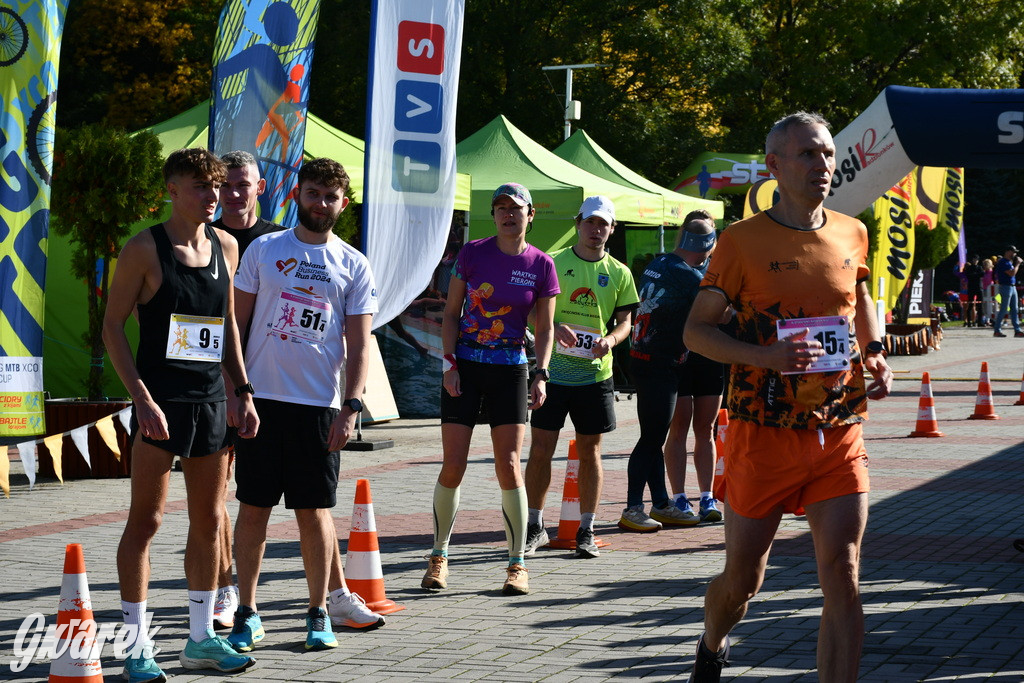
79,662
363,572
718,487
569,518
926,422
1020,401
983,408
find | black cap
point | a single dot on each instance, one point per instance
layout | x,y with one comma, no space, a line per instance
1011,248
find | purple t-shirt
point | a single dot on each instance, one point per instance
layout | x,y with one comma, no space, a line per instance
501,290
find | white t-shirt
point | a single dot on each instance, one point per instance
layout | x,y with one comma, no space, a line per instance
296,345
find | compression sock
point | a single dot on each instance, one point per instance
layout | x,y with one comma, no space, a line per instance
446,505
513,508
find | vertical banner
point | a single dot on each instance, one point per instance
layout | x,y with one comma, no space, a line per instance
30,33
260,88
409,194
895,253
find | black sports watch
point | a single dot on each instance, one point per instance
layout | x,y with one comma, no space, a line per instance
245,389
354,404
874,347
543,373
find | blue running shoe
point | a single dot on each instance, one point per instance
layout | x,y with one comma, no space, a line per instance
319,635
213,653
247,631
709,511
140,668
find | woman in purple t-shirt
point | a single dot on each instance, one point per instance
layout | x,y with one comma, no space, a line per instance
495,284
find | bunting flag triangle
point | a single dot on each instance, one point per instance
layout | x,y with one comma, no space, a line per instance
105,426
125,416
27,451
55,444
80,437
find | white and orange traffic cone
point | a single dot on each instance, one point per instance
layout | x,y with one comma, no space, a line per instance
983,408
718,487
363,572
1020,401
569,518
78,661
926,422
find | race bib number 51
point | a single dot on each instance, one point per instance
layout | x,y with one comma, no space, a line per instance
195,337
302,316
832,332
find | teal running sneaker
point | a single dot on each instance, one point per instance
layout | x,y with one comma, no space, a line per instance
140,667
319,635
213,653
247,631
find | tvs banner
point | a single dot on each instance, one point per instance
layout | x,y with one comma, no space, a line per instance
410,144
261,66
30,33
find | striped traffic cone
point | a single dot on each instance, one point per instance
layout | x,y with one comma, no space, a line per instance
1020,401
78,661
718,488
569,518
363,572
926,423
983,408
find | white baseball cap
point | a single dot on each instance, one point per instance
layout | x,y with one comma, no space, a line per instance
599,206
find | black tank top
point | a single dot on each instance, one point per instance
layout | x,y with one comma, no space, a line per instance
183,290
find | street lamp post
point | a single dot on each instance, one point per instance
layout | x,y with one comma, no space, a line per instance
572,107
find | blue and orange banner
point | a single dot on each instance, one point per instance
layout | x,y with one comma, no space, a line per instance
29,54
261,69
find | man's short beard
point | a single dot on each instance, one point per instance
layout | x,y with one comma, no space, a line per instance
324,225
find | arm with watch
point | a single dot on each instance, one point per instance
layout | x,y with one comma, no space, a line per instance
241,412
357,363
450,380
544,334
872,351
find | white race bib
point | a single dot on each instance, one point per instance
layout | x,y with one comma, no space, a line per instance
832,332
195,337
586,338
302,316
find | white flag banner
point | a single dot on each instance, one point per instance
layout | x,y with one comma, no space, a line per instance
409,190
125,416
27,453
80,437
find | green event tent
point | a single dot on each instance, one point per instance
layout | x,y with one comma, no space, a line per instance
581,150
499,153
65,356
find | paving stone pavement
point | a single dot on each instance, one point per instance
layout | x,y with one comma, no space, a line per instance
942,584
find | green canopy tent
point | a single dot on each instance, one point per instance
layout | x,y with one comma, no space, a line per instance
580,149
499,153
65,357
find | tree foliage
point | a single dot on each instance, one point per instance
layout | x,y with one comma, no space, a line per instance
104,180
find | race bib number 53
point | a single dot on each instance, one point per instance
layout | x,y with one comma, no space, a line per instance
195,337
586,337
832,332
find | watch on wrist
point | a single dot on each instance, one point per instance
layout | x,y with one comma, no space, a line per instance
354,404
543,374
245,389
874,347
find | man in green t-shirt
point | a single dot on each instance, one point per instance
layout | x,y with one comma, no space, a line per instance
598,293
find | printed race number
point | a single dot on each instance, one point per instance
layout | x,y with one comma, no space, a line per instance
195,337
586,339
832,332
302,316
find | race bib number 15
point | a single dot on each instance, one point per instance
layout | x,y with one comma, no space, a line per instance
832,332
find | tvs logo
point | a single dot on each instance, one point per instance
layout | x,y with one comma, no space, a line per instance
286,266
584,296
419,108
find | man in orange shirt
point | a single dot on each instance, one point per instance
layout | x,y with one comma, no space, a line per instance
797,278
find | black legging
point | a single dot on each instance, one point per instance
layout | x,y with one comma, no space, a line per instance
657,385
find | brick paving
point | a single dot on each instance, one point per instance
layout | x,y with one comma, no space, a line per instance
942,585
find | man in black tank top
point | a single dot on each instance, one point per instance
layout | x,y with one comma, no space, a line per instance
239,196
179,276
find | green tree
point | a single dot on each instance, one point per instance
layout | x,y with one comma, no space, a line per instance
104,180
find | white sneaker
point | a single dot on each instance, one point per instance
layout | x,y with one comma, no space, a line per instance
224,608
351,610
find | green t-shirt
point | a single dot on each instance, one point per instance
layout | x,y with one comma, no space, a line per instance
591,293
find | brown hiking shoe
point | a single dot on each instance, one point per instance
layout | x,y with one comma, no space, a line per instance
436,577
516,583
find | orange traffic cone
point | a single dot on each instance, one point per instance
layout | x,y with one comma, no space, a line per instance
1020,401
983,409
718,488
569,518
78,661
926,423
363,572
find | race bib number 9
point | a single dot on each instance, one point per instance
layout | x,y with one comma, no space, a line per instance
195,337
586,338
302,316
832,332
